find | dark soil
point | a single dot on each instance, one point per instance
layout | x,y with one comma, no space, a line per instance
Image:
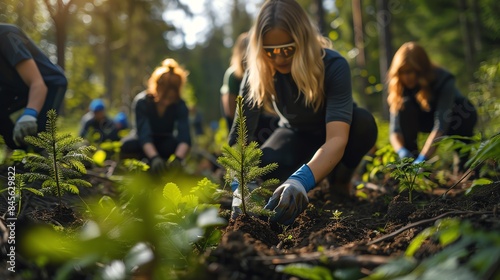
358,238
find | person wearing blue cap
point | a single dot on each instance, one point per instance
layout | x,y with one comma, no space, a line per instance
96,121
121,121
29,80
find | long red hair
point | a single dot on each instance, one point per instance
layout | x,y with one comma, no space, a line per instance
410,55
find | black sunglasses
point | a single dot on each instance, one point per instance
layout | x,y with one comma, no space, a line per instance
286,50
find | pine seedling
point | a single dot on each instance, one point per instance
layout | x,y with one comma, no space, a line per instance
411,176
243,159
62,162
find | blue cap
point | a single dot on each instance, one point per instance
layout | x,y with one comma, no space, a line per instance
121,118
96,105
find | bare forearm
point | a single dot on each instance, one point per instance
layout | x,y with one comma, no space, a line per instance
396,141
328,155
326,158
182,150
150,150
428,149
37,96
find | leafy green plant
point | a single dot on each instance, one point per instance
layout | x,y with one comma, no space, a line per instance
62,162
242,163
455,261
17,192
336,215
134,165
157,233
485,154
377,163
411,176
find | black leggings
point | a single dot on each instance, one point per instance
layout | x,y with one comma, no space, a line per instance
55,97
131,147
290,148
412,119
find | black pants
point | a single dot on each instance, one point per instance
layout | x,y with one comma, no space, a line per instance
55,97
462,119
131,148
290,149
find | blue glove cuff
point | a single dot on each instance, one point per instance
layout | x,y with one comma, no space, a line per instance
305,176
234,185
30,112
403,152
420,158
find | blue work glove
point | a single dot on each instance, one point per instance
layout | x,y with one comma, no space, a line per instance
419,159
290,199
404,153
236,204
26,125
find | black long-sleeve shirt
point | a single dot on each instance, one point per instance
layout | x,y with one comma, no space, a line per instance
149,124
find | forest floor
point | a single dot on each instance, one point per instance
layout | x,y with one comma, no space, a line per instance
350,234
369,232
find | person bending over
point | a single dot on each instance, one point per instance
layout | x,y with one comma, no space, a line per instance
321,133
29,80
423,98
161,119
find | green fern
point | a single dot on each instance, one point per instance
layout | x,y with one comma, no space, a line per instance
62,162
20,183
242,161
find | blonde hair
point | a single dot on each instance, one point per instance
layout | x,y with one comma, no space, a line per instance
410,55
307,62
239,55
170,77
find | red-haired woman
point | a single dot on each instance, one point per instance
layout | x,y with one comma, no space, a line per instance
160,110
423,98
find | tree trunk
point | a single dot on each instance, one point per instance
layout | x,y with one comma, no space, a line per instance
360,81
108,60
385,48
476,23
320,13
467,38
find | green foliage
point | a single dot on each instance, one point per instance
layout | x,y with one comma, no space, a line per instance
306,271
481,150
485,95
20,188
134,165
377,163
162,228
488,150
242,163
411,176
336,215
62,163
455,261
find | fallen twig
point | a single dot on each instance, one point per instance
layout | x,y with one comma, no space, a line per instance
392,234
335,257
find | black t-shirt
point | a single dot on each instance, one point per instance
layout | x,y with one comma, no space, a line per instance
15,47
150,126
291,107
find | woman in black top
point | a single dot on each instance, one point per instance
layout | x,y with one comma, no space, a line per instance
292,69
159,112
423,98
